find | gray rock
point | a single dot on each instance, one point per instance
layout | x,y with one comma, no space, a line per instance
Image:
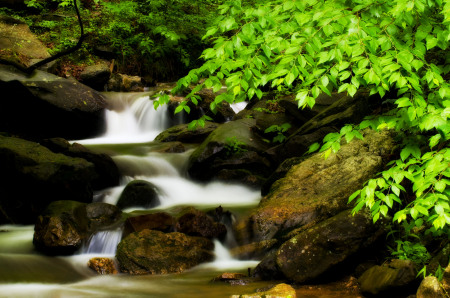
96,76
138,193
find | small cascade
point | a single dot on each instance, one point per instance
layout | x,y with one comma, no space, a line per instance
103,242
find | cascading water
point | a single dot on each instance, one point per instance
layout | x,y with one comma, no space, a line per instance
131,120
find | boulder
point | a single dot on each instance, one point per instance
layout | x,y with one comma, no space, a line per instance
430,288
125,83
197,223
159,221
233,146
96,76
107,171
64,225
42,105
138,193
32,176
388,278
18,45
154,252
279,291
310,254
316,189
182,133
103,266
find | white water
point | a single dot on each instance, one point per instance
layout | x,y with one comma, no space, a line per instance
132,120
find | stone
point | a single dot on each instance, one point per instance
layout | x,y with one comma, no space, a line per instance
42,105
182,133
388,277
154,252
279,291
315,189
197,223
18,45
160,221
107,171
102,266
138,193
96,76
311,253
430,288
32,176
125,83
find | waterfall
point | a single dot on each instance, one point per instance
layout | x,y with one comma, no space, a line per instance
103,242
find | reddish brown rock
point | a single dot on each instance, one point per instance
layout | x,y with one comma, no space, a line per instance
102,265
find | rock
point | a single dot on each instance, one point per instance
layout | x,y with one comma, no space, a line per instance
388,277
197,223
61,228
234,146
280,172
96,76
160,221
181,133
18,45
256,250
102,265
125,83
107,171
278,291
64,225
313,252
430,288
138,193
315,189
31,177
234,279
43,105
154,252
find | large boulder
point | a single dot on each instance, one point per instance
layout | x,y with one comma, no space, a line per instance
42,105
18,45
313,252
139,193
232,147
32,176
154,252
96,76
64,225
316,188
107,170
160,221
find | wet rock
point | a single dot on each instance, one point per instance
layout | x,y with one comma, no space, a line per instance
234,146
233,279
315,189
197,223
42,105
313,252
19,46
181,133
430,288
256,250
160,221
154,252
107,171
279,291
125,83
32,176
61,228
96,76
388,277
280,172
64,225
102,266
138,193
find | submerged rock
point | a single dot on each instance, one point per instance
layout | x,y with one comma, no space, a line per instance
154,252
139,193
280,291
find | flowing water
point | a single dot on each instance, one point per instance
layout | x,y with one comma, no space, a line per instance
132,125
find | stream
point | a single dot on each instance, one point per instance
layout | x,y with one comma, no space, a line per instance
132,124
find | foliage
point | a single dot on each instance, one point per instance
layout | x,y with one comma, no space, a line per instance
234,146
396,49
279,130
